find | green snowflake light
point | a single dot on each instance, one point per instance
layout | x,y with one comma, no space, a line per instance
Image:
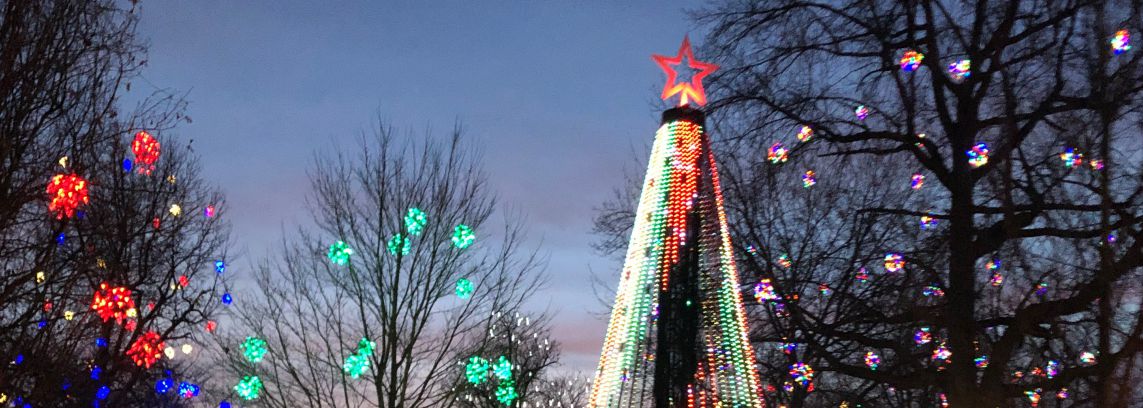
506,392
463,236
476,371
355,365
399,244
502,369
254,349
464,288
415,221
339,253
249,387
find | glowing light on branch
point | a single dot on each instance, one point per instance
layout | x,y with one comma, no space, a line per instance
249,387
463,236
476,371
802,374
778,154
809,179
1071,158
399,245
113,302
1121,42
861,112
464,288
978,156
960,70
254,349
805,134
911,60
415,221
918,181
922,336
147,349
146,150
872,360
339,253
66,193
894,262
765,291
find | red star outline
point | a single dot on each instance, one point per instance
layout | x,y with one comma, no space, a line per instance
690,90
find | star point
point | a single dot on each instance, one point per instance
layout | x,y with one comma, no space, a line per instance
688,91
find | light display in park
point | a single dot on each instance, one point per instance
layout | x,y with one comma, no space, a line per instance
66,192
146,150
677,335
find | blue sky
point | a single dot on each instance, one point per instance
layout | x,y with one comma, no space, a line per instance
562,97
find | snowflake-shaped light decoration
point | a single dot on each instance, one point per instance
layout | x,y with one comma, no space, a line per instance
415,221
147,349
894,262
399,245
254,349
805,133
502,368
809,179
981,362
1071,158
113,302
1121,42
339,253
1052,369
1034,396
777,154
764,291
802,374
942,354
463,236
146,150
66,192
918,181
978,155
862,275
872,360
464,288
188,390
1087,358
249,387
506,393
922,336
861,112
476,370
960,70
911,60
358,362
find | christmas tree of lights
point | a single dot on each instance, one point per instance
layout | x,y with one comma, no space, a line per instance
677,336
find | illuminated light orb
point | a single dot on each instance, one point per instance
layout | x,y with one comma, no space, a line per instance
339,253
911,60
113,302
169,352
922,336
809,179
365,347
399,245
187,348
927,222
862,275
211,326
1087,358
68,315
249,387
993,265
208,212
802,374
147,349
1096,164
506,393
502,368
41,277
764,291
789,348
164,385
226,298
861,112
918,181
894,262
1071,158
824,289
219,266
128,165
224,404
933,291
146,150
464,288
981,362
188,390
184,281
415,221
996,280
1062,394
476,371
805,133
61,238
100,394
872,360
1121,42
960,70
176,210
254,349
66,193
1034,396
1052,369
1041,289
463,236
784,260
355,365
978,155
155,222
778,154
942,353
95,371
944,400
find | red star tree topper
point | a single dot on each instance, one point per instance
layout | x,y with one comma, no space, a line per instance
689,91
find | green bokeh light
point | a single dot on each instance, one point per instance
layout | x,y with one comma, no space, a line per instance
464,288
463,236
399,244
254,349
476,371
249,387
339,253
415,221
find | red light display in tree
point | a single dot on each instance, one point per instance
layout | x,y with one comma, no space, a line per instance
147,349
113,302
66,193
146,149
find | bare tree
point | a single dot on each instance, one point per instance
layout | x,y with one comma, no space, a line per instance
509,365
403,287
1022,120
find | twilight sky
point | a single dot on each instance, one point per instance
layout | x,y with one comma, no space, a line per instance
562,96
